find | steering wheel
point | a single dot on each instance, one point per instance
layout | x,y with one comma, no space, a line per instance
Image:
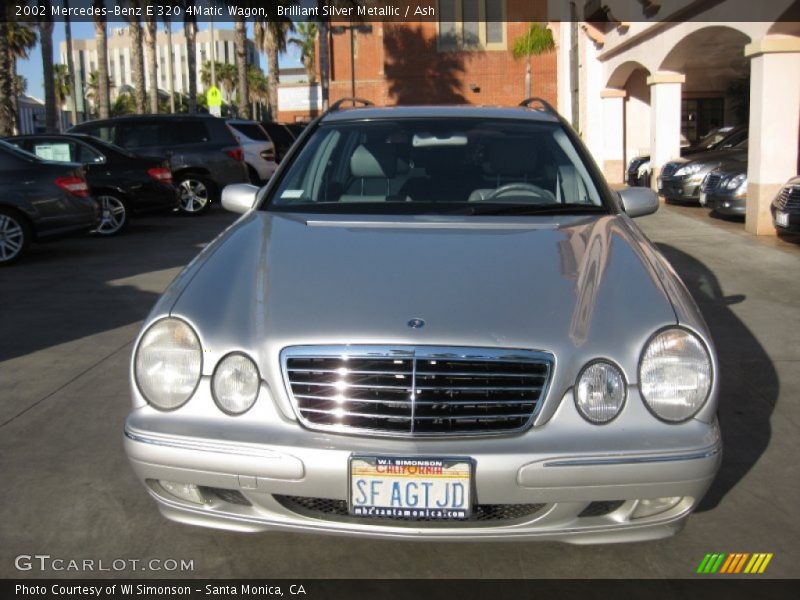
535,190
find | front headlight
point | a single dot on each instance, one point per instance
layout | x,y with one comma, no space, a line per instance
235,384
690,169
734,183
675,375
168,363
600,392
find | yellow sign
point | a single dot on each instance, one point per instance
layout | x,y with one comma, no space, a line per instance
213,96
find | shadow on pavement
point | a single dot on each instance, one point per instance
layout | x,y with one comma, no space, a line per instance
73,288
749,384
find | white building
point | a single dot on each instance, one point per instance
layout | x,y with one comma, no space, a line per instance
670,71
119,58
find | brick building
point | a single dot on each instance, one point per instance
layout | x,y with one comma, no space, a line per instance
448,61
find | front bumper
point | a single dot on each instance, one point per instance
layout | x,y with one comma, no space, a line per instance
679,188
727,205
567,468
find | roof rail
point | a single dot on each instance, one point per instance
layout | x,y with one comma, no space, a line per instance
338,104
545,104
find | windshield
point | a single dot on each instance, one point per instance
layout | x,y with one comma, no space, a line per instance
714,137
438,166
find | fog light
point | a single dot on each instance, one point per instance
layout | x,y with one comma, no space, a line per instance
183,491
654,506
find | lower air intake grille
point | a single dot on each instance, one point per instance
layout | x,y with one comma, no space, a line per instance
325,508
415,391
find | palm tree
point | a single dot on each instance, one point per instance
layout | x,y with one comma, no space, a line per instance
258,89
170,68
307,42
7,117
104,104
537,41
151,32
73,97
123,105
190,31
93,90
21,37
45,25
324,70
137,58
272,36
240,44
61,88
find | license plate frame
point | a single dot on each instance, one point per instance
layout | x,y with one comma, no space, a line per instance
459,469
703,199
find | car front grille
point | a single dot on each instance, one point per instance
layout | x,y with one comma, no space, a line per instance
669,169
711,182
330,509
789,198
415,391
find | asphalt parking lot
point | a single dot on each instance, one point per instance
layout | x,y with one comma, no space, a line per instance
71,309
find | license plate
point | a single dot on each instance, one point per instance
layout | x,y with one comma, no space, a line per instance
781,219
703,198
413,488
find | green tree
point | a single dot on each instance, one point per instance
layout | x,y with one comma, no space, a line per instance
537,41
123,105
20,38
272,37
258,90
137,56
306,41
92,91
61,88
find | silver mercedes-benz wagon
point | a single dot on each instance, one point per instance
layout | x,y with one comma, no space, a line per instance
433,323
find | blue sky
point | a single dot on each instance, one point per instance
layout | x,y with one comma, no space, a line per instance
31,68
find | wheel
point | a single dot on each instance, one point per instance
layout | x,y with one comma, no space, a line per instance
15,236
195,194
114,215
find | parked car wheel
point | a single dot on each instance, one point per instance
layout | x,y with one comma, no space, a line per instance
14,236
195,194
114,215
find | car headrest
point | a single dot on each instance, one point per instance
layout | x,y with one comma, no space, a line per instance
378,161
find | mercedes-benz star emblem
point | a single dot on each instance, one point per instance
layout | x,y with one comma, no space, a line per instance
416,323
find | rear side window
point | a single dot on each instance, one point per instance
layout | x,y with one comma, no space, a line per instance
8,161
251,130
103,132
187,132
140,135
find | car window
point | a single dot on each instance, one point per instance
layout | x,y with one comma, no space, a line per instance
85,154
103,132
57,150
435,166
251,130
12,157
187,132
139,134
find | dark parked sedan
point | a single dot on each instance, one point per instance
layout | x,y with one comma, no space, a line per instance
725,190
786,208
41,199
124,184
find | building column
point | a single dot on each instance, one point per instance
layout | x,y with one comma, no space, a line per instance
665,119
772,155
613,101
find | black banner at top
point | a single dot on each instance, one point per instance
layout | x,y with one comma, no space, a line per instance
618,12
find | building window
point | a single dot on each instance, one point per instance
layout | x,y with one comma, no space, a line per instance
472,25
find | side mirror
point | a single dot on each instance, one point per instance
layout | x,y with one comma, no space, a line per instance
239,198
638,201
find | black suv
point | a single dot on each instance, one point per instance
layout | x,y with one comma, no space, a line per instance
203,153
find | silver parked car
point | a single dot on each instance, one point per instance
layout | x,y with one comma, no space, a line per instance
433,323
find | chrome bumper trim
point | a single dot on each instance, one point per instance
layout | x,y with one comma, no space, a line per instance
634,460
219,447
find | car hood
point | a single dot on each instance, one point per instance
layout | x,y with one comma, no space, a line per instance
577,287
714,157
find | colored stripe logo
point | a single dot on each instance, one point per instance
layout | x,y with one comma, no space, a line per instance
737,562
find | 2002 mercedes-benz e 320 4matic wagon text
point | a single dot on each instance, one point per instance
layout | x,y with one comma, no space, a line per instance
432,323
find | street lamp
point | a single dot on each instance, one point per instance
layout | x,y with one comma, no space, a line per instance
339,30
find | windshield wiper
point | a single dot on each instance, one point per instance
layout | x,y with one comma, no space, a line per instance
540,209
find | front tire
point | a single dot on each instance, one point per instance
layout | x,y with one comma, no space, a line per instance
114,215
195,194
15,235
